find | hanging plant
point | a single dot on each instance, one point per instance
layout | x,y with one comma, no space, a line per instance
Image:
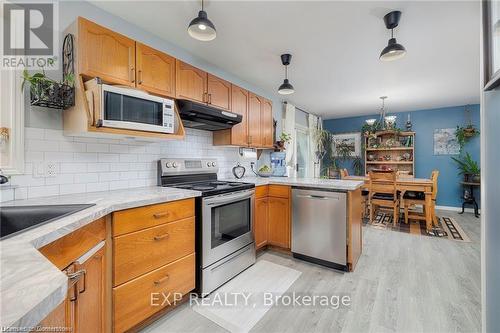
464,134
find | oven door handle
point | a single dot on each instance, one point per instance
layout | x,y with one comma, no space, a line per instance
228,198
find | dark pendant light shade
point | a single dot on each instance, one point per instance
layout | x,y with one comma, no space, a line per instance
201,28
286,88
393,50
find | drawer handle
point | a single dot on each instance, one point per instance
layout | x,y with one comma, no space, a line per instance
160,215
160,281
160,237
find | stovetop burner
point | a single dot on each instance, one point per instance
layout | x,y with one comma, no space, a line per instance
196,174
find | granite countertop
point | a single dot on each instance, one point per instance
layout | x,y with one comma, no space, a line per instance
30,285
334,184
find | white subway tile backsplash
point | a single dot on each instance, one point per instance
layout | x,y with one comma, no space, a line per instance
97,148
86,164
43,191
108,157
86,157
73,167
73,188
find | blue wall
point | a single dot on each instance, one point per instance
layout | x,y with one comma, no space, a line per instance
424,122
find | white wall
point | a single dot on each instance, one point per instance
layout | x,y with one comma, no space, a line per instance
90,164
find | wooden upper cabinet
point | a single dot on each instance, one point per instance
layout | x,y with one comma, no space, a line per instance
254,121
106,54
155,71
266,123
239,105
190,82
219,92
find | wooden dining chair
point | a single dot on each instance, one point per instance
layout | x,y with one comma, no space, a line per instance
411,198
383,193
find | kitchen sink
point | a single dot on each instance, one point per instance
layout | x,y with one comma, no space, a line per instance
15,219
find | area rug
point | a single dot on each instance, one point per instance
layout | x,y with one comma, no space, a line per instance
239,304
447,227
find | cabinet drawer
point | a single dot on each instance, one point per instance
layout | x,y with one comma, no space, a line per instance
135,301
134,219
280,191
139,252
261,191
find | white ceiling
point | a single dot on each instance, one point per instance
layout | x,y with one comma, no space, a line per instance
335,46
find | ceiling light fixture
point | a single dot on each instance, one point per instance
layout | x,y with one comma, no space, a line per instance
201,28
286,88
393,50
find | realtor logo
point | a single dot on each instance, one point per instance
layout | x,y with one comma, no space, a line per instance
29,34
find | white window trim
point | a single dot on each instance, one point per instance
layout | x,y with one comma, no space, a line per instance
14,97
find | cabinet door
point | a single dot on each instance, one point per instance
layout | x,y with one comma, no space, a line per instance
261,222
155,71
190,83
219,92
91,294
254,131
266,123
239,104
105,54
59,317
279,222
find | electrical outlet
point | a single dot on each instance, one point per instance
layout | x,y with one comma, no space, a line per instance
51,169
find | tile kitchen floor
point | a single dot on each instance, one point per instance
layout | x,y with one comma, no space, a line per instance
402,283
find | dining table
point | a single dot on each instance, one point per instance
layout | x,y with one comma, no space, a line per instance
408,183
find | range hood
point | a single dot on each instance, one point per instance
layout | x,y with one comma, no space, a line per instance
204,117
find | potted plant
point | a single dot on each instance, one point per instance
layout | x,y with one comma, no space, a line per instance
464,134
285,138
50,93
468,168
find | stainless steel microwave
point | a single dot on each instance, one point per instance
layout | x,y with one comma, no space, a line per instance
133,109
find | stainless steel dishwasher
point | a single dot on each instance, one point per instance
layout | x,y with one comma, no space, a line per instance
319,226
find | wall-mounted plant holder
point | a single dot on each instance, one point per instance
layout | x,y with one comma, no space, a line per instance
48,93
52,95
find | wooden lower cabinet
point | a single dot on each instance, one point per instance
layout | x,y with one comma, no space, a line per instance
137,300
261,222
279,222
84,309
272,216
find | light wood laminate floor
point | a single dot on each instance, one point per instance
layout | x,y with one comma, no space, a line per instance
403,283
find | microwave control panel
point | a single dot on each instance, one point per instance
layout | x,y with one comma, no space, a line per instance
168,115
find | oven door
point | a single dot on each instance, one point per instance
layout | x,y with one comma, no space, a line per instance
226,224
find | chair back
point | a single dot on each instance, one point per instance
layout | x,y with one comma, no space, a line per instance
343,173
382,182
434,178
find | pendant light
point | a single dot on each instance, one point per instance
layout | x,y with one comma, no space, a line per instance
201,28
393,50
286,88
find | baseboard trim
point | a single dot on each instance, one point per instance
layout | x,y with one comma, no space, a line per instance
456,209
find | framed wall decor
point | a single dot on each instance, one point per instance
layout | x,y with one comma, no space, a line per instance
352,141
491,43
445,142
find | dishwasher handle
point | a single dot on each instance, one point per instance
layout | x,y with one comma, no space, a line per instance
317,197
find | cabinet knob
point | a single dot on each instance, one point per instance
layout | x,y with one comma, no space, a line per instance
160,215
160,237
160,281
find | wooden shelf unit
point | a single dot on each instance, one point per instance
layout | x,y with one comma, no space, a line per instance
395,151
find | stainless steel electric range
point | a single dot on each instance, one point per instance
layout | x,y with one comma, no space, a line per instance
224,214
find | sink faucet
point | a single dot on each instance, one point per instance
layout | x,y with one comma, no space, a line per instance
3,179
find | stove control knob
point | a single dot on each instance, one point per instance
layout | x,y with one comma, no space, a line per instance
168,164
174,164
208,164
214,164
